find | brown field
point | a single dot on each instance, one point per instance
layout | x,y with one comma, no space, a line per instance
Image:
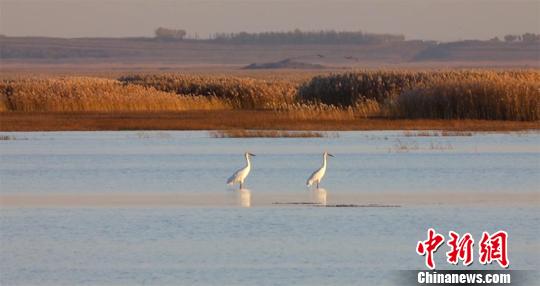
233,120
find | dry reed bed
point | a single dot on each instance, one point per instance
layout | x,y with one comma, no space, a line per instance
502,95
74,94
243,133
493,95
429,133
246,93
472,98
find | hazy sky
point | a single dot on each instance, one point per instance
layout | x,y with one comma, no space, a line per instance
417,19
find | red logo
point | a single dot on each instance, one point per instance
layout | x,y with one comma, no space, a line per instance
429,246
460,249
491,248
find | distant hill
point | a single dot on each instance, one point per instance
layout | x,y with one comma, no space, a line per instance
232,52
196,51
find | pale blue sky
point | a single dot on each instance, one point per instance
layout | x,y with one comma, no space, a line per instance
417,19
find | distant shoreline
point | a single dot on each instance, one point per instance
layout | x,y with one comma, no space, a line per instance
232,120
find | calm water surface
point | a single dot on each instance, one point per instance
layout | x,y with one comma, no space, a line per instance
262,245
192,162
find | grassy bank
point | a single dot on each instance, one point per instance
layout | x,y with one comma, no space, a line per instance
233,120
342,99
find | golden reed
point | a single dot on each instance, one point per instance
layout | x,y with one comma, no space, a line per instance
482,94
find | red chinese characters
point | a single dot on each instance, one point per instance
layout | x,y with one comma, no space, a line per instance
429,246
460,249
493,248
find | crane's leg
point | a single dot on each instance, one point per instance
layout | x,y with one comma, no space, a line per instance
317,184
241,185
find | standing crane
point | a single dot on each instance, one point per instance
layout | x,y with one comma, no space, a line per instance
318,175
240,175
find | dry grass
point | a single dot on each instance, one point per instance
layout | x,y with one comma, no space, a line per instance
84,94
327,100
493,95
408,146
245,93
429,133
242,133
455,133
405,146
502,98
315,111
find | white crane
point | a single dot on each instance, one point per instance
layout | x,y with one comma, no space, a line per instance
240,175
317,176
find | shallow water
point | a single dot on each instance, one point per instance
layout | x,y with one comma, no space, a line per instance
191,162
267,244
231,246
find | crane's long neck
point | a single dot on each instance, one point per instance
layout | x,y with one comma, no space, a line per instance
248,163
324,162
